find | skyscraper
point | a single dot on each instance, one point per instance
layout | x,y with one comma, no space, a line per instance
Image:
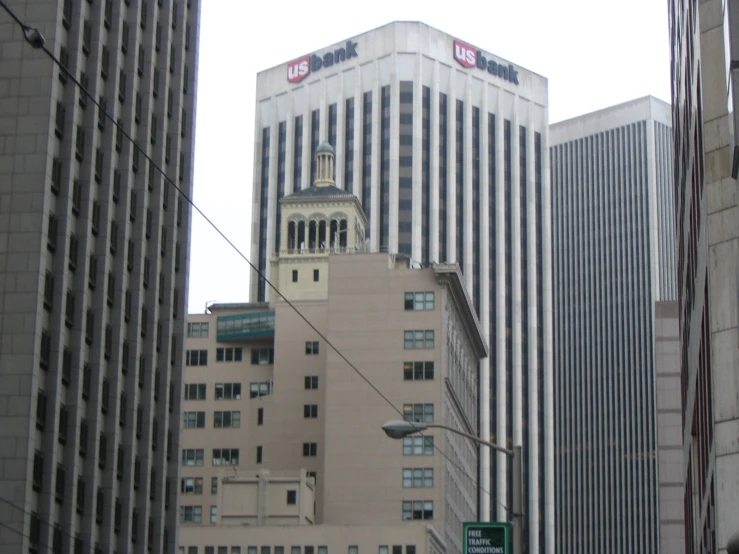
445,145
613,252
705,101
93,273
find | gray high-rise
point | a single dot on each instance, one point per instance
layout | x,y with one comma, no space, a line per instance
613,252
445,145
93,273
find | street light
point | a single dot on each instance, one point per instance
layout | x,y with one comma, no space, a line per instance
401,428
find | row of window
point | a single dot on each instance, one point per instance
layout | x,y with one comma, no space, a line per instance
412,510
412,371
351,549
259,356
316,275
196,420
412,446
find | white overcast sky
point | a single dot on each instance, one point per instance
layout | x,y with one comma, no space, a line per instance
595,53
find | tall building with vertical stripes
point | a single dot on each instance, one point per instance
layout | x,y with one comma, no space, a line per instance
446,146
613,252
94,247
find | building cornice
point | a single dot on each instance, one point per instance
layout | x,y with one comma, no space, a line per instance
449,275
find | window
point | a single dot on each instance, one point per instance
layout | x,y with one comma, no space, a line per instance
193,456
41,400
418,446
197,330
292,497
191,514
260,389
262,356
259,454
110,290
225,456
74,247
59,123
316,275
89,326
52,233
418,509
56,175
92,274
310,449
196,391
419,301
59,483
38,470
227,419
311,382
45,349
193,420
418,339
418,478
422,413
310,411
63,420
214,485
214,519
197,357
191,485
228,391
295,275
99,163
311,348
228,354
76,196
418,371
260,416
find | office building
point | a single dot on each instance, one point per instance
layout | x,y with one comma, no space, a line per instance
704,98
446,147
93,273
281,434
613,252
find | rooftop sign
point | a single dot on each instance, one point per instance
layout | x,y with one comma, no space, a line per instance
299,69
467,56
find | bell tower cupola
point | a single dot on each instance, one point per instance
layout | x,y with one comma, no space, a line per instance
325,172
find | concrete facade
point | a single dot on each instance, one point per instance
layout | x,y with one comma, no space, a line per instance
93,273
385,341
446,147
669,428
613,251
339,416
705,100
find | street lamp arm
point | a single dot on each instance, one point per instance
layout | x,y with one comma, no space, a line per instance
472,438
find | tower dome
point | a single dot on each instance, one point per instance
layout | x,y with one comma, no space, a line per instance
325,172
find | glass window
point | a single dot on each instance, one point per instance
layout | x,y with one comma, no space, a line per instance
422,413
419,301
418,509
418,371
418,478
418,446
418,339
214,516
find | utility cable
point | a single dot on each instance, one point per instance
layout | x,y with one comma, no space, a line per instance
36,40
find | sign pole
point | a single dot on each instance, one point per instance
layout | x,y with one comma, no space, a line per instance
517,500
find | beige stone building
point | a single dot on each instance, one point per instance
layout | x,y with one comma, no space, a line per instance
282,442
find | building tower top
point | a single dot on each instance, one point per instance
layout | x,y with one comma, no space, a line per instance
325,172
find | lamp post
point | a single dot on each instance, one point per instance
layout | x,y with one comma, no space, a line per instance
399,429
